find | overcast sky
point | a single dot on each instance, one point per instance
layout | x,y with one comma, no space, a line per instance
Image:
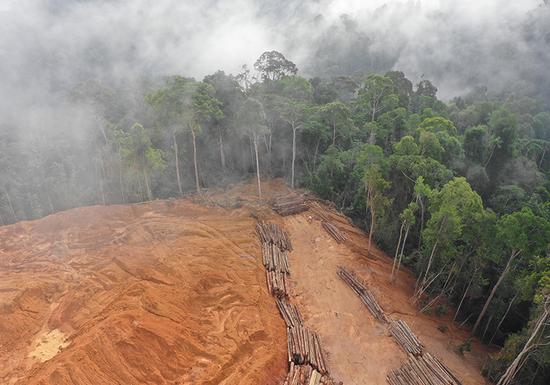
47,46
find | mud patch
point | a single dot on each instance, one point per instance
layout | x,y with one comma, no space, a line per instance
47,345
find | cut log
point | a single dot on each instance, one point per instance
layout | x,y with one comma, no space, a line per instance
334,231
289,205
365,295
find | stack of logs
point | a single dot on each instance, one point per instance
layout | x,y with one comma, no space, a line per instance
334,231
406,338
304,347
305,356
289,205
274,259
422,370
271,233
290,313
366,296
306,375
277,284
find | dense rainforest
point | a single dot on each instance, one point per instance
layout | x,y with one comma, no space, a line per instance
459,191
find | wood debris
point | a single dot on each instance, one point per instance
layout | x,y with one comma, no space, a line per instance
274,259
334,231
272,233
304,347
406,338
365,295
289,205
422,370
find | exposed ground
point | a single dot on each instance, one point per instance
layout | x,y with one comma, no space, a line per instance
173,292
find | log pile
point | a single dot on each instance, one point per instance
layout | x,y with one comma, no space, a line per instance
406,338
277,284
290,313
334,231
274,259
422,370
304,347
306,375
272,233
306,358
289,205
365,295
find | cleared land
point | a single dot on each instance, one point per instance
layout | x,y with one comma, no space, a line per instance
174,292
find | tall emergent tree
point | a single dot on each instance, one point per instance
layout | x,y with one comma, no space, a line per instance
272,65
205,108
251,119
169,104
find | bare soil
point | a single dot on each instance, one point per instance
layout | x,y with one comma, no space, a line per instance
173,292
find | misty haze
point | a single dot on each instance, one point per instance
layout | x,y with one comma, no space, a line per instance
288,192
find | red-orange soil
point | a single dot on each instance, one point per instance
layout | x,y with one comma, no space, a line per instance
173,292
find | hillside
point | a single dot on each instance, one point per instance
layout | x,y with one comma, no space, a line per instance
174,292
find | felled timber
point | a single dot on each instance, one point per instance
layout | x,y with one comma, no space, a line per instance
406,338
274,259
277,284
306,375
289,205
304,347
364,294
290,313
334,232
422,370
272,233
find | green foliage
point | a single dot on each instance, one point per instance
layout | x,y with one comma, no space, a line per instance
475,144
464,347
406,146
376,96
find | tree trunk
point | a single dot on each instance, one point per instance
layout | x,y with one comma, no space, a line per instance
195,161
486,327
463,296
257,167
147,186
334,134
397,249
222,153
293,155
502,319
120,181
494,290
542,157
425,275
490,156
372,219
315,154
102,191
10,204
422,211
518,362
52,209
177,159
421,204
100,177
403,247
